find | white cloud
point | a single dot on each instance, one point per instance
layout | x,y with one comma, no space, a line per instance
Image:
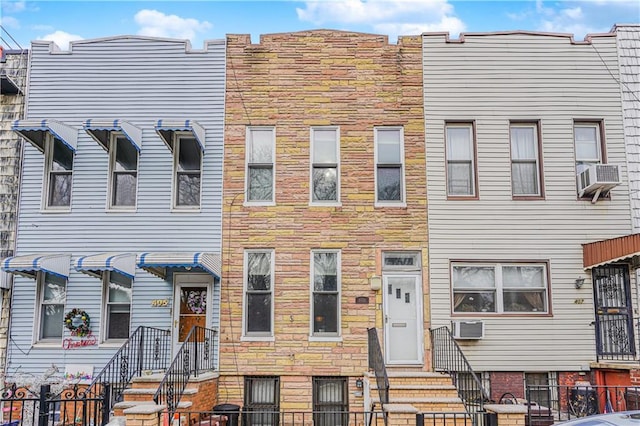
157,24
10,22
393,17
61,38
13,6
575,13
580,19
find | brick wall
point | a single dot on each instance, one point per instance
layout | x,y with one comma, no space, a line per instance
294,81
506,381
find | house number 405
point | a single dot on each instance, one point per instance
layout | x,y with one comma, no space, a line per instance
160,302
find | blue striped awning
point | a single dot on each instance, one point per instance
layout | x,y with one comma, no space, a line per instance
167,128
95,265
157,263
35,131
30,265
101,131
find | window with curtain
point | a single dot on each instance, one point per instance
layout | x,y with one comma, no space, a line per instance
188,171
258,293
587,144
330,401
460,152
124,172
261,400
59,173
260,164
513,288
326,293
389,145
525,160
53,294
325,174
117,294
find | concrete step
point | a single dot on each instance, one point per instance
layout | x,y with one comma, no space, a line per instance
119,407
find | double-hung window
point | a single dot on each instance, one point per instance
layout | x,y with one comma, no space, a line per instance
460,154
525,160
261,400
325,174
330,401
58,174
52,296
123,165
510,288
258,304
588,144
260,165
325,289
188,172
389,159
117,295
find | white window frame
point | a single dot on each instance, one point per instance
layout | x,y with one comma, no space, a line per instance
580,162
37,331
470,126
113,147
48,162
335,165
403,195
537,160
249,165
106,279
178,136
326,336
257,335
499,288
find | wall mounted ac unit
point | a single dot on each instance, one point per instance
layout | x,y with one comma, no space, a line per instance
598,179
468,330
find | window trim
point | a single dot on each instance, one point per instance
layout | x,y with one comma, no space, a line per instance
113,147
48,160
536,125
247,166
326,336
257,336
403,180
39,299
474,160
177,139
500,306
104,326
312,163
602,147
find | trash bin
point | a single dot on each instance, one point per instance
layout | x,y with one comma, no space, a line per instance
232,412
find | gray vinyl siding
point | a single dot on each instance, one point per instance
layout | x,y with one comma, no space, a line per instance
140,80
492,79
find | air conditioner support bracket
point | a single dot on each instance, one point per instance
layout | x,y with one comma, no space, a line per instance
596,195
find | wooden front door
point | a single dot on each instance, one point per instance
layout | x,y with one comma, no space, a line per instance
192,305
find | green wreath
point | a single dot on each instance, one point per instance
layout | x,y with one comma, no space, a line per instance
78,322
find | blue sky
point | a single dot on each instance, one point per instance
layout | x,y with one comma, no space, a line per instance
63,21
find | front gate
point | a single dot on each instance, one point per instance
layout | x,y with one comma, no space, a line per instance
614,312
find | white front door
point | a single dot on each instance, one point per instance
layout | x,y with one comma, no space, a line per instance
403,329
191,305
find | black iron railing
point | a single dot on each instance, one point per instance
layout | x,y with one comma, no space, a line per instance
453,418
194,356
148,349
376,363
449,358
276,418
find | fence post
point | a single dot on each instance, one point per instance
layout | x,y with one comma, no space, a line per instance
141,352
419,419
195,351
106,404
43,409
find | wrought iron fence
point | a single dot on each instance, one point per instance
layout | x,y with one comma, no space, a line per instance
277,418
194,356
70,407
376,363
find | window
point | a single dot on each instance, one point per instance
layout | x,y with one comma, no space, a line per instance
325,293
53,293
260,159
330,401
539,387
58,174
511,288
525,160
587,144
117,294
325,175
188,170
389,153
461,168
401,261
123,164
261,400
259,293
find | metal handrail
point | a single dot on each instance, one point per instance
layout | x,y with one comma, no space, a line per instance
449,358
376,363
147,348
194,356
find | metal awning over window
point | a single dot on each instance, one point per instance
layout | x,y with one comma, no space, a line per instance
167,128
35,131
613,250
157,263
30,265
95,265
101,130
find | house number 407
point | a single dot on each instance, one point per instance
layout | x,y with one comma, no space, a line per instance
160,302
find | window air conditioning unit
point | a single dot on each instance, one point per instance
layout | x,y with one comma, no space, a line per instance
598,179
468,330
